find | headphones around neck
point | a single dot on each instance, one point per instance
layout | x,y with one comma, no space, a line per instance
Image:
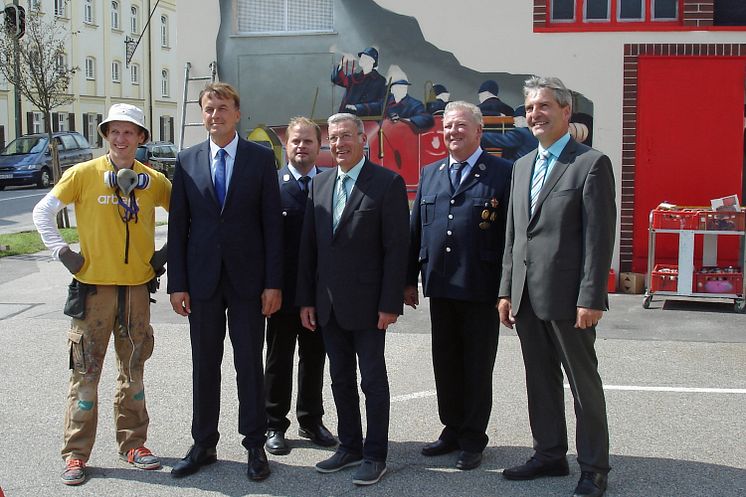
127,180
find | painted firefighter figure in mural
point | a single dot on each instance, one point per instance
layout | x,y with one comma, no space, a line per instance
364,89
402,107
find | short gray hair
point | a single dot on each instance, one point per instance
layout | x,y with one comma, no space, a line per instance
562,95
346,116
467,107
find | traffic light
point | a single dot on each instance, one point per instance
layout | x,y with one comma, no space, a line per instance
15,20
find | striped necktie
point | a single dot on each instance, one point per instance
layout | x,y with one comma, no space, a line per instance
340,200
220,176
540,173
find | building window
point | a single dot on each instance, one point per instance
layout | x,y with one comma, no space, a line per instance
116,71
37,125
134,20
61,64
34,5
730,13
90,68
114,15
61,121
90,121
612,12
164,83
88,14
164,31
135,74
60,8
285,16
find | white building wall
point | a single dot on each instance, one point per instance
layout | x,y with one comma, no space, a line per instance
197,28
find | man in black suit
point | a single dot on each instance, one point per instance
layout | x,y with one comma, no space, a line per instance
559,243
303,143
352,263
457,236
225,255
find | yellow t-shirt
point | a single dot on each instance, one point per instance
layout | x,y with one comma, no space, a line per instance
101,229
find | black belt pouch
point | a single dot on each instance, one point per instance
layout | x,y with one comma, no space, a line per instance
76,296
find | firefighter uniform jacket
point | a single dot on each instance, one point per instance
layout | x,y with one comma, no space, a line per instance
457,238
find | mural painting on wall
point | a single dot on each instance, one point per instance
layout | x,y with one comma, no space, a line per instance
405,133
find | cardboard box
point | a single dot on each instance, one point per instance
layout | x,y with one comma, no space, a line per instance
632,283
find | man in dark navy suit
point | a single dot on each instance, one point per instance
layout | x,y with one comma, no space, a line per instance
353,259
303,143
457,235
225,255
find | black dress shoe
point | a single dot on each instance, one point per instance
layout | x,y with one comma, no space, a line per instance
438,448
535,468
318,434
591,485
197,457
276,443
468,460
258,469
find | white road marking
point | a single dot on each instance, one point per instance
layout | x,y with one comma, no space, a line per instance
632,388
415,395
23,196
625,388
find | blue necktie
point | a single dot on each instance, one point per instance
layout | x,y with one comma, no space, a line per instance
220,176
540,173
303,182
455,174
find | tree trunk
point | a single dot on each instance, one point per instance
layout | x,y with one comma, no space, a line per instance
63,220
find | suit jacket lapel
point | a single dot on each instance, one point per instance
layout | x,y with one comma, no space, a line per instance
442,180
356,195
563,162
239,171
203,173
523,170
473,178
323,192
291,186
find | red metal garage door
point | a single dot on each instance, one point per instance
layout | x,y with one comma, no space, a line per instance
689,141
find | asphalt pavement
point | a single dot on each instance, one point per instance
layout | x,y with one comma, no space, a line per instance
675,379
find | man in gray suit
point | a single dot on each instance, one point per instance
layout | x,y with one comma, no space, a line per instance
353,260
559,241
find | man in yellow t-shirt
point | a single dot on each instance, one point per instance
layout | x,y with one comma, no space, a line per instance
115,199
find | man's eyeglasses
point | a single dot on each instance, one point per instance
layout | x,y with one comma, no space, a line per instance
342,138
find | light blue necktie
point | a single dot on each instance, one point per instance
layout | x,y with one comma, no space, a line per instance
540,173
340,200
220,176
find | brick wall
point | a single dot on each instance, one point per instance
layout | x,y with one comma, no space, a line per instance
695,13
698,12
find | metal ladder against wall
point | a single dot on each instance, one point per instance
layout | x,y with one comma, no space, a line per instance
185,96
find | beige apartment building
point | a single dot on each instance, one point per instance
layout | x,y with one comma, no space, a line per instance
103,28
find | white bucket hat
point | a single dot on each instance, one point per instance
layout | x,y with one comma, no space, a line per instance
124,112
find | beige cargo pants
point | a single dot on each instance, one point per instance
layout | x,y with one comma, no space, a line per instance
88,340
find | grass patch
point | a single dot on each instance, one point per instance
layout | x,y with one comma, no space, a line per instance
29,242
